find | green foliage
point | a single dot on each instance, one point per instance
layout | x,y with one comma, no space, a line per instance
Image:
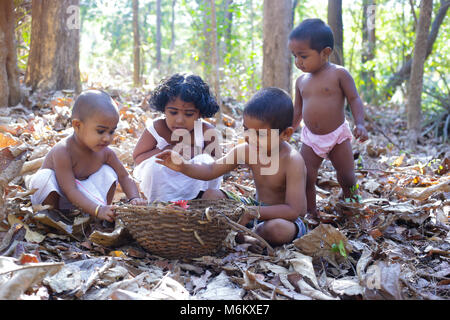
339,248
106,47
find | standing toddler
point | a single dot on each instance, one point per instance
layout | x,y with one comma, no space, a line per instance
320,95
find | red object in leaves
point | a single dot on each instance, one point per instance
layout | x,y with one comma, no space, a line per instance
181,203
28,258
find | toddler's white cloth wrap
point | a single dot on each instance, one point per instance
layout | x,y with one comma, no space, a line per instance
95,187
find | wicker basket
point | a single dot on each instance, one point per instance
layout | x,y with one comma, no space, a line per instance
172,232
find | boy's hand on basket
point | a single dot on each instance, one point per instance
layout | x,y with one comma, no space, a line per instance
138,202
170,159
107,213
249,215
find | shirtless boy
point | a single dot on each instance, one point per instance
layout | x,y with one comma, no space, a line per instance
81,170
280,182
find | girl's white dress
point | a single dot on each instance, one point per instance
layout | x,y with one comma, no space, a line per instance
159,183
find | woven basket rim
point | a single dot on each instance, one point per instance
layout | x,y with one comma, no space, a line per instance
167,230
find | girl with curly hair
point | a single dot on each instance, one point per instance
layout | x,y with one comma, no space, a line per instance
184,99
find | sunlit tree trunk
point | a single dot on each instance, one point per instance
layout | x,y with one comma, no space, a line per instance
208,41
53,62
335,23
405,71
252,45
228,24
215,61
158,34
136,46
368,49
172,31
416,78
9,80
277,24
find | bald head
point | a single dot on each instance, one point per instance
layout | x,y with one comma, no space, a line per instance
91,101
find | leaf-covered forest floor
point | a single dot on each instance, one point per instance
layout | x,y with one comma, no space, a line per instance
395,244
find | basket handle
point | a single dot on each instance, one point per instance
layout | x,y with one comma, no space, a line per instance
235,225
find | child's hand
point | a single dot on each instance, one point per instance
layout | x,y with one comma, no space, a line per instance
170,159
138,202
249,215
360,133
107,213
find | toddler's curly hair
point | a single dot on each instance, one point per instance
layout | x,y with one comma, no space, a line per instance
190,88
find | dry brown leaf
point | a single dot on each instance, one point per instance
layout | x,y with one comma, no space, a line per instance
6,140
346,286
252,282
319,243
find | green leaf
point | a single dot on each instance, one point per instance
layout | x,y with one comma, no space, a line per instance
342,250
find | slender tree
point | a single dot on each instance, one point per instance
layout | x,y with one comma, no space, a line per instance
172,32
136,46
416,79
335,23
368,50
158,34
215,61
9,79
208,40
53,62
405,70
228,23
277,61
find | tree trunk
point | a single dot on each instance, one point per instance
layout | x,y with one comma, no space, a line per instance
172,31
277,64
416,79
252,45
136,46
53,62
405,71
9,73
208,43
335,23
158,34
368,48
215,61
228,24
294,6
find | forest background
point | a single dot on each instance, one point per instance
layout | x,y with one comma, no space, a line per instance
133,43
395,244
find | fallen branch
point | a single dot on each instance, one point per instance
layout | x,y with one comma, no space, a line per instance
423,194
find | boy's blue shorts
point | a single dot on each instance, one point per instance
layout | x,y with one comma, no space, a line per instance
302,229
